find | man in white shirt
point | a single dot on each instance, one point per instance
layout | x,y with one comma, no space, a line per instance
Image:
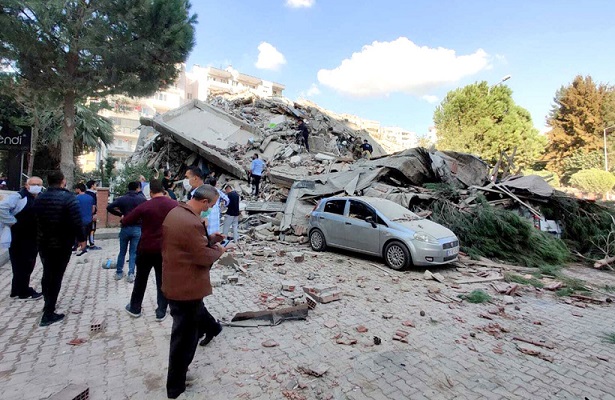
213,219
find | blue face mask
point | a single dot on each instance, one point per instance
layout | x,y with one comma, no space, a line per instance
205,214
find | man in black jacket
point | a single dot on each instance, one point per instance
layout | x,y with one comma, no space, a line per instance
129,234
24,249
59,223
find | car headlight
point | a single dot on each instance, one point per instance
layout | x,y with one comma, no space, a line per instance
425,237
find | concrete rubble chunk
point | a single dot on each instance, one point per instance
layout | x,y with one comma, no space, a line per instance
297,256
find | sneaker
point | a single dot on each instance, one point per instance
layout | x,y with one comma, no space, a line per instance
81,252
94,247
119,276
132,313
161,316
48,319
210,335
130,278
34,295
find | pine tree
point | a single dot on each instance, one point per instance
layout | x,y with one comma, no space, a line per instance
483,121
74,50
581,112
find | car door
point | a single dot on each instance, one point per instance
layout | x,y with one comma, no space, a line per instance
331,219
358,233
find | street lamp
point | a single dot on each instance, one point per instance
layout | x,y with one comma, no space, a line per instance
504,79
606,160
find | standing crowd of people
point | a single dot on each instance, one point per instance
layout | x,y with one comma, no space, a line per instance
179,241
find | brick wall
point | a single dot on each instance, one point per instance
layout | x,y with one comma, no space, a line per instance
105,220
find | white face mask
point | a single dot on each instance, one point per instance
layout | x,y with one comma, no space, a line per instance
35,189
186,183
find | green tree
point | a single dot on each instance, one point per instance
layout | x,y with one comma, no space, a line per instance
593,180
581,159
581,112
74,50
477,120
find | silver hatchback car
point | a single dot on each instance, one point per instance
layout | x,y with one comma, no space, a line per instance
383,228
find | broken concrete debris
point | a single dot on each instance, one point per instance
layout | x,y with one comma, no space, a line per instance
323,293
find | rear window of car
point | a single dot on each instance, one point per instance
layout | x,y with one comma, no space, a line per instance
335,207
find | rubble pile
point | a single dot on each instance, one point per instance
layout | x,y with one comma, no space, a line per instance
495,212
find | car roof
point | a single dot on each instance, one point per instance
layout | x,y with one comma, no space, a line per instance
374,201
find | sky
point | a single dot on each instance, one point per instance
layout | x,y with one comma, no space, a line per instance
394,61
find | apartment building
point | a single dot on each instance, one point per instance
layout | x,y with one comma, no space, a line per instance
199,84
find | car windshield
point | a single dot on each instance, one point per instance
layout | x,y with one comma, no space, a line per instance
393,211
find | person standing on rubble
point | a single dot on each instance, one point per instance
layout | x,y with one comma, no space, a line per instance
187,256
232,213
256,172
366,150
305,133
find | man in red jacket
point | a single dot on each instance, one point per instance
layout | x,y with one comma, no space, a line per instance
187,256
150,215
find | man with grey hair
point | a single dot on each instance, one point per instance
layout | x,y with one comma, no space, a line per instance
188,253
24,248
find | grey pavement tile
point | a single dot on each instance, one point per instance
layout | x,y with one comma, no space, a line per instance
128,359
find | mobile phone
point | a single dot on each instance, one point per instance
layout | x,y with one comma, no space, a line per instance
225,242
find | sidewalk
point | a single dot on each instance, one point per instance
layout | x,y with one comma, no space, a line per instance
450,351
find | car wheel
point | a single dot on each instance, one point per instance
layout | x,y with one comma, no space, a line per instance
396,255
317,240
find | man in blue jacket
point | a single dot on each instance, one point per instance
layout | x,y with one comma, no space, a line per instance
129,234
59,223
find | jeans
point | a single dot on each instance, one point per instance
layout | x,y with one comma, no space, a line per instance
187,321
228,221
145,263
54,266
128,234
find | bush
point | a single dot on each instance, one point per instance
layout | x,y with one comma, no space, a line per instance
593,180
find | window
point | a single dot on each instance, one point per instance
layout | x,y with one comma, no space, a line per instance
335,207
189,96
360,211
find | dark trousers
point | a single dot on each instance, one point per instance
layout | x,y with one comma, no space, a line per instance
54,266
23,260
187,324
305,141
256,181
145,263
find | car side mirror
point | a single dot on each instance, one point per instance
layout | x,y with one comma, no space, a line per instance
370,219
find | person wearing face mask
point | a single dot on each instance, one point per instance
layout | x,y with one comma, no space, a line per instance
188,253
192,179
24,249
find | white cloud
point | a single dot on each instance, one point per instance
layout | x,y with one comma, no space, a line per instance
382,68
430,98
300,3
269,57
313,90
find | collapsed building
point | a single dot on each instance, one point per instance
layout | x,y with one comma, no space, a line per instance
222,135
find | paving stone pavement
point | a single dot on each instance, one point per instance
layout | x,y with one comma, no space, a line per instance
450,353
